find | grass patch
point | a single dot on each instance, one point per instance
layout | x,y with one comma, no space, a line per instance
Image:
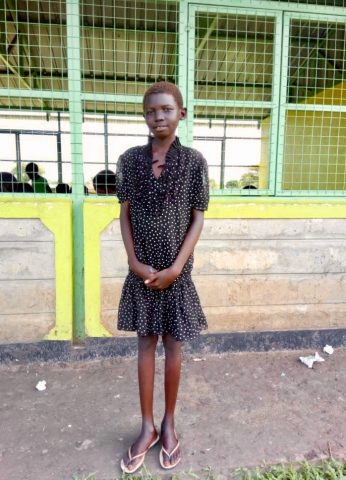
327,470
143,474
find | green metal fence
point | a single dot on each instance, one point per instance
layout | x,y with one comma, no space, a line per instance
311,154
235,56
263,83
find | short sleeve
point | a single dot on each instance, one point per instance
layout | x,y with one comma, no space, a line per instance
200,185
123,179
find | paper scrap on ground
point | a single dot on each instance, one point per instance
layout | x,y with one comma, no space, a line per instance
309,360
41,385
328,349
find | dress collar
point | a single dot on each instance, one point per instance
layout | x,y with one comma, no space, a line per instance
173,146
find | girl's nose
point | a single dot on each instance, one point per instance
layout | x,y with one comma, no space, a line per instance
158,115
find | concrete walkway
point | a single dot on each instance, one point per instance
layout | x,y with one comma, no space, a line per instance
234,410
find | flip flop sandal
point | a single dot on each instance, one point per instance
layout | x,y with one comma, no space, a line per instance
164,451
125,469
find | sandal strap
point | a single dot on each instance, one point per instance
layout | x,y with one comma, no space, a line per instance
172,452
131,458
143,453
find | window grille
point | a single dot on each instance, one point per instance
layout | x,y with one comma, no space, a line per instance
263,83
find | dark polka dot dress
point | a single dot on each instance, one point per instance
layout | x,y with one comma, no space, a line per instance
160,210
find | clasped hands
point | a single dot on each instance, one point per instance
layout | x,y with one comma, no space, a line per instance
154,279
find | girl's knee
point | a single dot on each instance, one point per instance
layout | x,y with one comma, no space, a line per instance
147,343
171,344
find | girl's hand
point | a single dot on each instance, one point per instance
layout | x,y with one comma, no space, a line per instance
145,272
163,279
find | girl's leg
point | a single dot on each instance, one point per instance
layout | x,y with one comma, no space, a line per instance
146,372
172,379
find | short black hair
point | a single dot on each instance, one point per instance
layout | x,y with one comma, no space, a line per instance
164,87
7,182
105,180
32,168
22,187
62,188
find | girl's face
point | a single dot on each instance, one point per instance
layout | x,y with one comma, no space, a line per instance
162,114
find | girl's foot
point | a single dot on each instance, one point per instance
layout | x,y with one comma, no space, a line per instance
170,454
136,453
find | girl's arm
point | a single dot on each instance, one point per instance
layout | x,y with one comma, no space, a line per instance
189,243
166,277
135,265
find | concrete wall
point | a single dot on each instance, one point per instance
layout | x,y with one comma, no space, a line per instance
27,280
253,274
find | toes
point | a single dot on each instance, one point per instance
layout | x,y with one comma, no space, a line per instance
131,465
168,461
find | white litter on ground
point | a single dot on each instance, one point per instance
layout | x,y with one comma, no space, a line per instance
41,385
328,349
311,359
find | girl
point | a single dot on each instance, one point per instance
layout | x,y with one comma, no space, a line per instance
163,191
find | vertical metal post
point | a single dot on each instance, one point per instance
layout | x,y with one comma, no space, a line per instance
277,127
18,158
105,123
281,98
223,152
76,118
59,153
183,69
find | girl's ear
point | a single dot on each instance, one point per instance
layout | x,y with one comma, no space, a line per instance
183,113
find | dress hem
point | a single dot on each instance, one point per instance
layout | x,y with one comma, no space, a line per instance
162,333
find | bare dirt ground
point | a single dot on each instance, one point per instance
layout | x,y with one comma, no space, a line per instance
234,410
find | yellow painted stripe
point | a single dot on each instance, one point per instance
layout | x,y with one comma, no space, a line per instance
97,216
276,208
258,207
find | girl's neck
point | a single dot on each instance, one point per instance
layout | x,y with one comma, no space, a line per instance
159,145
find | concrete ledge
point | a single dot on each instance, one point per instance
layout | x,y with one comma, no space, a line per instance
95,348
267,341
44,351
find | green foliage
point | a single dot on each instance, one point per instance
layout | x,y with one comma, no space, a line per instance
142,474
249,178
328,470
232,184
91,476
213,183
